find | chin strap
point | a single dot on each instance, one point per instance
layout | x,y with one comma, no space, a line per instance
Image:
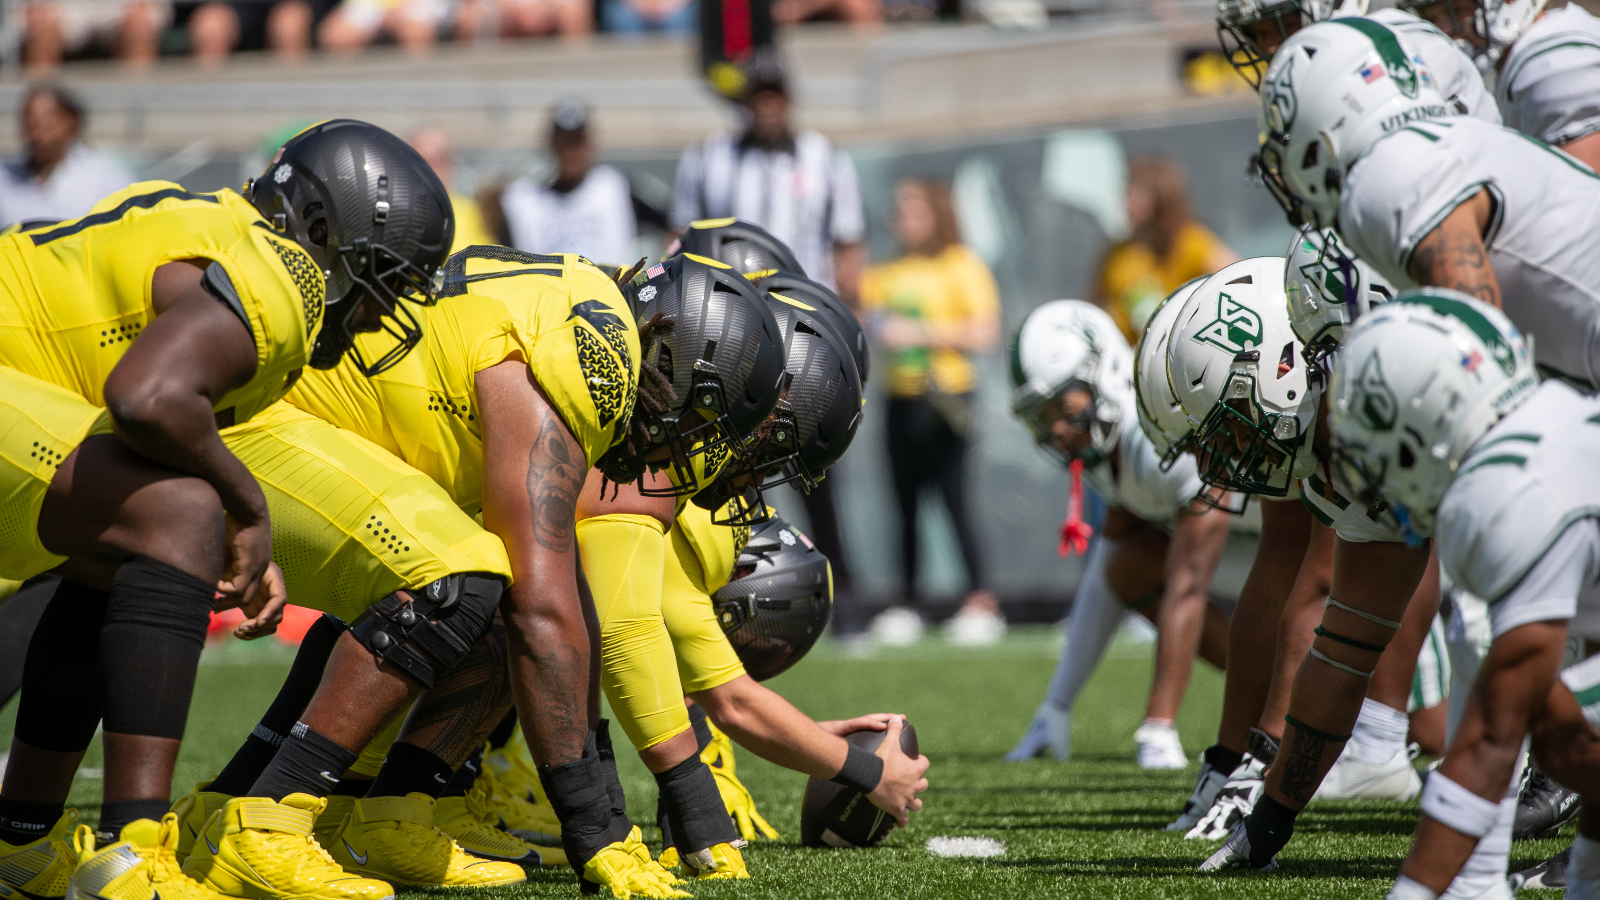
1075,532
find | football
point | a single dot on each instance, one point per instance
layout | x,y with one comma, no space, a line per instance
832,815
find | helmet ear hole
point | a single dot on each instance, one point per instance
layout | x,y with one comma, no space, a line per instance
1407,458
1312,154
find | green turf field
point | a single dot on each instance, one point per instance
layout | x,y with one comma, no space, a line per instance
1086,828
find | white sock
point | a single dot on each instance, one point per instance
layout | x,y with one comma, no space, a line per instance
1406,889
1585,862
1379,734
1096,613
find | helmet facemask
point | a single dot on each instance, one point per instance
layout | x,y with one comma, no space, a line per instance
1098,420
1242,447
1236,20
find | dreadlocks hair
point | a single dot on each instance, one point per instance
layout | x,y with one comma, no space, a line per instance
655,395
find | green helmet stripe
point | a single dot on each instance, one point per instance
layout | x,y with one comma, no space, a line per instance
1394,57
1018,376
1475,321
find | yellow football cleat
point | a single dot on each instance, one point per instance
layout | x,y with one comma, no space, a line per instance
535,824
718,757
393,838
143,865
625,868
468,821
41,869
193,809
329,820
513,765
669,858
716,862
256,849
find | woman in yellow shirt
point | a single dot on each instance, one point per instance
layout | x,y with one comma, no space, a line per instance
931,309
1166,248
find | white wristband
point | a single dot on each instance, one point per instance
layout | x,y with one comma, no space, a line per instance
1451,804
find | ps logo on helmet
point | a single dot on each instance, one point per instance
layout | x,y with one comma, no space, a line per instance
1236,328
1375,403
1280,94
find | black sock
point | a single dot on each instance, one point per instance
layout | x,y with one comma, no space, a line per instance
461,782
114,814
411,769
695,811
501,735
1269,827
352,787
305,675
1223,760
701,726
60,707
307,763
24,823
155,628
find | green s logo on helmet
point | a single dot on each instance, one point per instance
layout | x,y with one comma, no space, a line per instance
1236,328
1279,90
1375,403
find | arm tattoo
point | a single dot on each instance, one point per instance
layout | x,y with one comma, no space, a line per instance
1458,261
1300,766
555,478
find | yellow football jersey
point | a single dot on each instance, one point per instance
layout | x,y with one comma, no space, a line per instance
716,547
559,312
74,295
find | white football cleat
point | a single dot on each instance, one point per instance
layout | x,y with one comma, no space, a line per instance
1239,796
1050,733
897,626
975,628
1353,779
1159,747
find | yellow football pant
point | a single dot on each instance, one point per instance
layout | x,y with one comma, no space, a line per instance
705,658
623,560
351,522
40,423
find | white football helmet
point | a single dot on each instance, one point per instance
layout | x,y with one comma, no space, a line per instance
1332,90
1491,28
1328,289
1417,384
1235,18
1071,344
1160,414
1236,366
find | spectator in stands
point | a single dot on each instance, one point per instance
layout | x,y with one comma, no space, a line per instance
219,27
586,209
857,12
803,191
130,30
523,18
932,309
354,24
433,145
649,16
58,177
1167,246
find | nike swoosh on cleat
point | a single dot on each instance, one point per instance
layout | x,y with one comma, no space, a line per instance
360,859
330,778
214,849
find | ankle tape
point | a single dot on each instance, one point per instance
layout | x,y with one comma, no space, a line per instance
1451,804
695,810
578,793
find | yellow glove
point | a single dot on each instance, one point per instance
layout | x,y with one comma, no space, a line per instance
619,868
718,756
669,858
717,862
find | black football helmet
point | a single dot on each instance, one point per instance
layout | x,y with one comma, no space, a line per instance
374,218
746,247
723,355
844,321
810,428
778,602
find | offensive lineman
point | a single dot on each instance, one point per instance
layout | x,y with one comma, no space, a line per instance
138,331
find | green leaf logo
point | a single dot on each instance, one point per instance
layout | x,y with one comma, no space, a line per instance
1236,328
1375,404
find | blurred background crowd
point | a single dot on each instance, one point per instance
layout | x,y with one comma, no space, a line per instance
942,226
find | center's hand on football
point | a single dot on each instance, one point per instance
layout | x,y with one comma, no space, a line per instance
264,612
869,722
896,793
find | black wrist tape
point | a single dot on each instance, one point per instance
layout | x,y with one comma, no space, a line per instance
695,810
861,770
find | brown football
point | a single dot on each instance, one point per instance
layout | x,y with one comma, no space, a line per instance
832,815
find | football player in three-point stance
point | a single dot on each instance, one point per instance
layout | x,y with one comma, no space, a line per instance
1438,410
139,331
1073,388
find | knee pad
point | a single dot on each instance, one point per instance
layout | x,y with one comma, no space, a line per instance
425,632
